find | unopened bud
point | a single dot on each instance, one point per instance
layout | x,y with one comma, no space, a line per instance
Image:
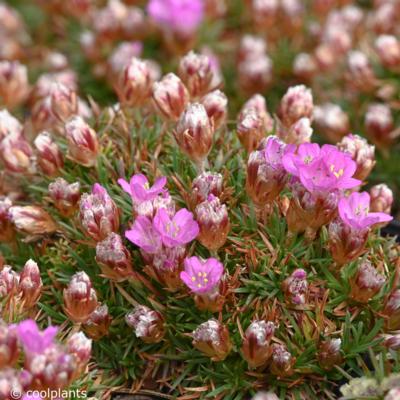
251,129
64,102
388,49
300,132
14,85
361,152
393,342
305,66
391,310
98,213
32,220
361,73
98,324
251,47
329,354
204,185
381,199
194,133
170,97
80,347
65,195
366,283
30,284
295,104
331,121
6,228
16,153
49,156
80,299
216,105
9,125
296,289
212,339
9,351
83,145
255,74
379,124
9,280
148,324
282,361
213,220
114,258
134,84
264,13
256,346
196,72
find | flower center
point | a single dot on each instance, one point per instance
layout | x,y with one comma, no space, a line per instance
201,279
172,229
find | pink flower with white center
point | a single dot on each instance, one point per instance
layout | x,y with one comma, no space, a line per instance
354,211
202,276
177,230
140,189
144,235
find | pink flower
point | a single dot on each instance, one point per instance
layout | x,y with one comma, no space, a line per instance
306,154
202,276
144,235
354,211
178,230
32,339
181,16
140,190
274,151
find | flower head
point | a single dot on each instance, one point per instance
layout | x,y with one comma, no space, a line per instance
140,190
144,235
177,230
181,16
202,276
354,211
33,340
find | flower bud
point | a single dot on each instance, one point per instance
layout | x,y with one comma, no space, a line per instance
14,85
122,55
393,394
83,145
80,299
255,74
9,125
300,132
251,47
99,214
30,284
196,72
9,281
331,121
391,310
393,342
361,74
6,228
80,347
282,361
251,129
114,258
264,13
212,339
194,133
16,154
65,196
366,283
256,347
388,49
215,8
204,185
381,199
329,354
32,220
98,324
295,104
170,97
325,57
216,105
346,244
379,124
361,152
213,220
9,351
49,154
148,324
64,102
305,66
266,176
134,84
295,288
42,117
